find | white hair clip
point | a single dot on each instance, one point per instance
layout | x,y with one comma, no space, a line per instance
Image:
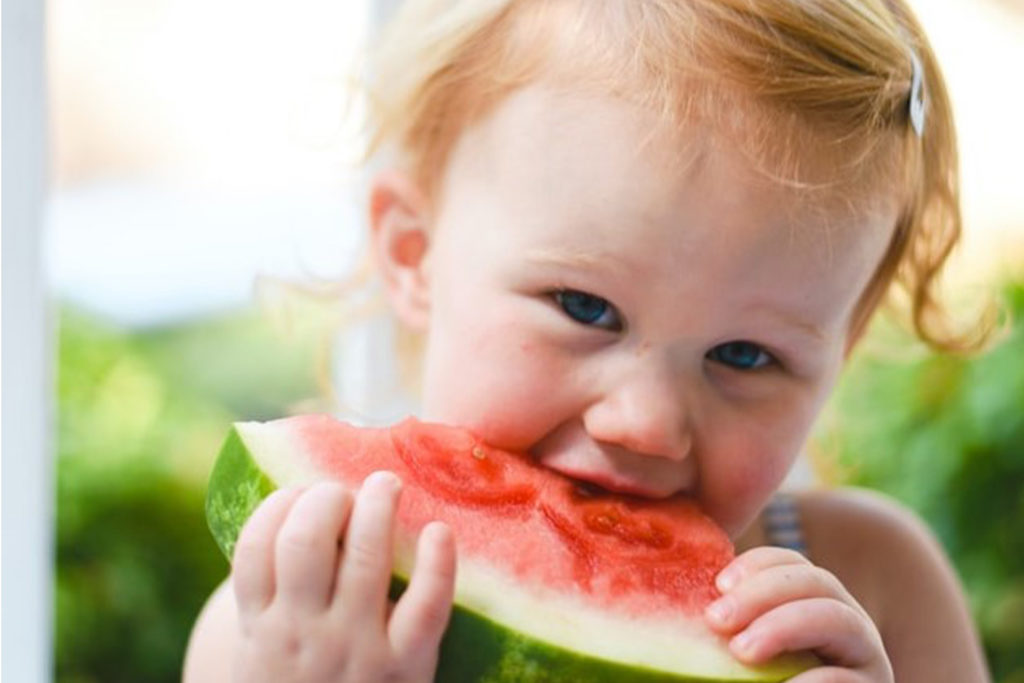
917,95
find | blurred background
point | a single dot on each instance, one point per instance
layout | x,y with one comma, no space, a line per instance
198,147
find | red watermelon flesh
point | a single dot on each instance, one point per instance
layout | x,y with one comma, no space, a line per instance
630,554
557,580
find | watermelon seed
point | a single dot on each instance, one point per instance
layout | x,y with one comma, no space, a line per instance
478,453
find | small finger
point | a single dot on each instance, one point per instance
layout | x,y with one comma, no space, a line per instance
753,561
770,588
365,572
252,564
422,613
306,551
835,631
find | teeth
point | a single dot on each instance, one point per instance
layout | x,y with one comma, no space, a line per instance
586,489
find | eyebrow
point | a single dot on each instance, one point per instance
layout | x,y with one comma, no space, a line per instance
795,322
595,259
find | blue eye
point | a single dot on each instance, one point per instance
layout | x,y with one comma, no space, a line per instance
588,309
741,355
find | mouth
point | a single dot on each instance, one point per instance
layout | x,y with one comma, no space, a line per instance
612,469
596,484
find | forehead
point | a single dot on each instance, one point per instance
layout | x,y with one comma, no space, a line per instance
600,179
608,157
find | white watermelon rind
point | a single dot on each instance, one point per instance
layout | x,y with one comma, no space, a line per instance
476,648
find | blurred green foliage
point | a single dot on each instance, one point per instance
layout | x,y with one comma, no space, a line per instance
142,414
945,435
140,418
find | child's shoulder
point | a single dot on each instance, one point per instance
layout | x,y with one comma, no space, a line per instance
871,542
889,559
209,656
846,518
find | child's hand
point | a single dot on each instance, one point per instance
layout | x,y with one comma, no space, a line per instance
775,601
311,573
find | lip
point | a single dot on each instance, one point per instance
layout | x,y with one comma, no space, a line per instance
574,454
609,482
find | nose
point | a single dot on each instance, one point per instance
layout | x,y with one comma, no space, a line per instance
644,411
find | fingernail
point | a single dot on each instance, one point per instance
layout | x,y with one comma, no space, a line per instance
384,479
743,643
439,531
727,579
720,610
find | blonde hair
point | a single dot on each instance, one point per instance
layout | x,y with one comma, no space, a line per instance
808,76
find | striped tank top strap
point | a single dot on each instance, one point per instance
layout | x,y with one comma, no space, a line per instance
780,520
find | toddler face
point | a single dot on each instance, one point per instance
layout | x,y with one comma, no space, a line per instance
649,328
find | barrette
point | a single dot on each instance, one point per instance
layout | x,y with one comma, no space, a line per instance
916,105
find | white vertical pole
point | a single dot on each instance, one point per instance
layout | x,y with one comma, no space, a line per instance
27,509
365,376
382,11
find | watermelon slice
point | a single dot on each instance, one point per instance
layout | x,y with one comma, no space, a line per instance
556,581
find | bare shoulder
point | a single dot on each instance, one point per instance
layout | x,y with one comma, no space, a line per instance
880,550
866,535
212,643
896,568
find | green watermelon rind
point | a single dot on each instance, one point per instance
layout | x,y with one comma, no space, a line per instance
237,486
475,649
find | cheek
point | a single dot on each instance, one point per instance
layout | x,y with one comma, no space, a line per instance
736,488
495,379
743,465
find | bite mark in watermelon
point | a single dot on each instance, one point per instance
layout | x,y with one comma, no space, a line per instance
556,581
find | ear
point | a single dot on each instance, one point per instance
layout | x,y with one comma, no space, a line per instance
400,238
